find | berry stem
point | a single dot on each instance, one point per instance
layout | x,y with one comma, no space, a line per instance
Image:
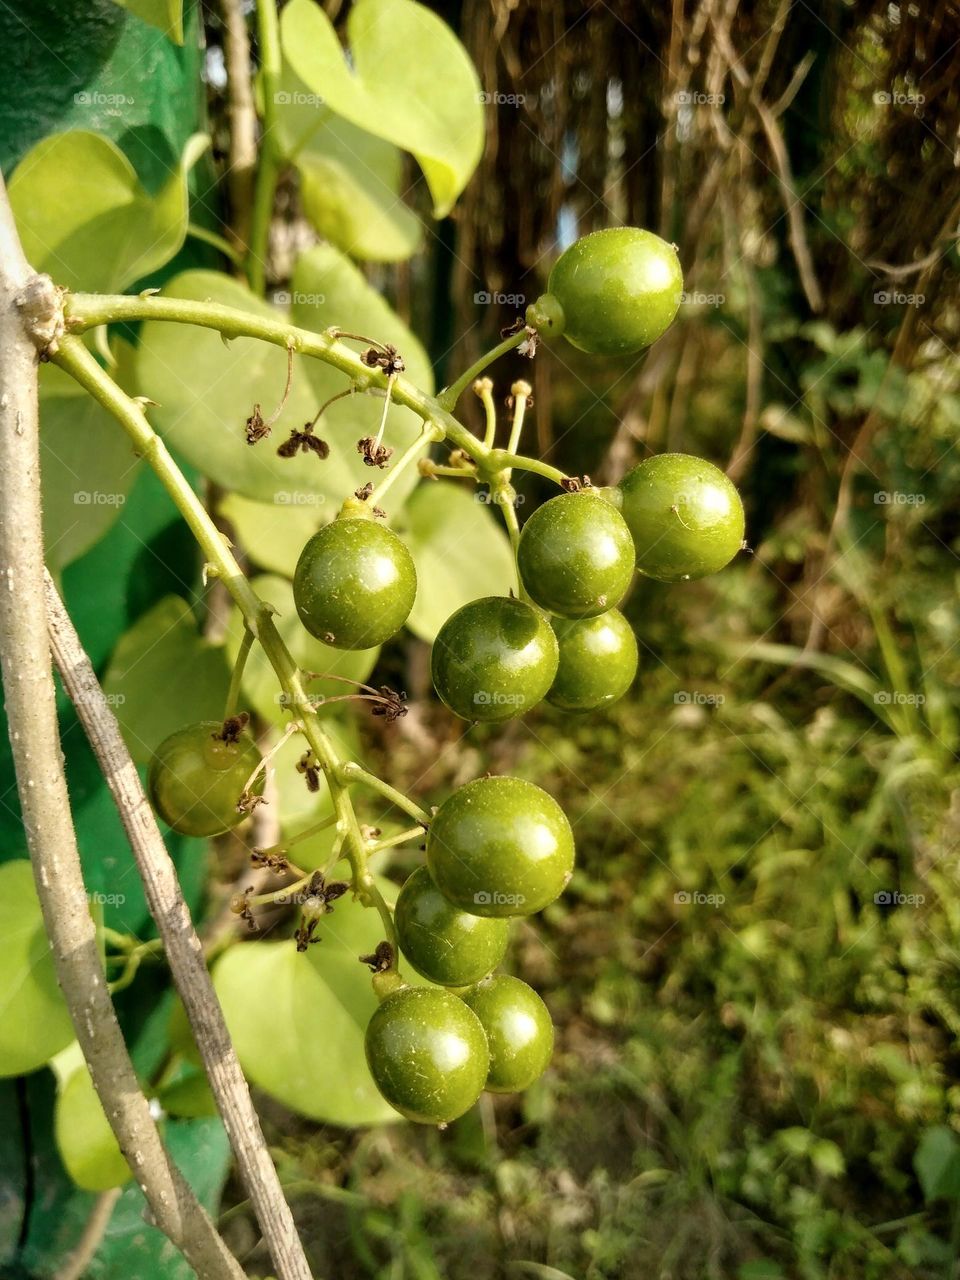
521,392
402,837
483,389
351,772
450,395
431,433
75,359
236,676
500,458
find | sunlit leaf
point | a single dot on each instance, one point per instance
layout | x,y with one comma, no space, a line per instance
165,15
87,1147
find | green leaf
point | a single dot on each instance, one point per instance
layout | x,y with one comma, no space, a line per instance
34,1023
260,688
298,1020
165,15
409,81
84,217
349,179
164,675
207,390
274,533
86,465
937,1162
187,1093
460,550
87,1147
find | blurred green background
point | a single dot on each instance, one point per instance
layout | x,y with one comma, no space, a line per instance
754,973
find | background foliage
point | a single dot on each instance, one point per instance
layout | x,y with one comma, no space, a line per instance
754,973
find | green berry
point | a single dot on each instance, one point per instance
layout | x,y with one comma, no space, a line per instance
196,778
494,659
598,661
355,583
427,1053
518,1029
442,943
576,555
500,847
685,515
618,289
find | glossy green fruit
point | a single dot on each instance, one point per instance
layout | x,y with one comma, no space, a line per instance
518,1029
576,555
442,943
686,517
618,289
195,778
598,661
494,659
428,1054
500,847
354,584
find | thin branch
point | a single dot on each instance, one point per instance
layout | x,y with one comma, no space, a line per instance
242,115
180,942
26,298
93,1232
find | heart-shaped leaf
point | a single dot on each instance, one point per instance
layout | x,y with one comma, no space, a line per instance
298,1019
84,217
165,15
409,80
87,1147
460,550
34,1023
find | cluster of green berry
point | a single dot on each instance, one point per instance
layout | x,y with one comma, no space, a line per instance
497,847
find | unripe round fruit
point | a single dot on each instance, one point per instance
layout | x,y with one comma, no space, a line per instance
685,515
195,778
355,583
445,944
618,289
518,1029
494,659
427,1053
598,661
576,555
500,847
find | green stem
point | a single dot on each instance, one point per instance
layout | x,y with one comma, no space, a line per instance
351,772
268,171
73,357
402,837
87,310
218,242
500,459
429,435
236,677
450,395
